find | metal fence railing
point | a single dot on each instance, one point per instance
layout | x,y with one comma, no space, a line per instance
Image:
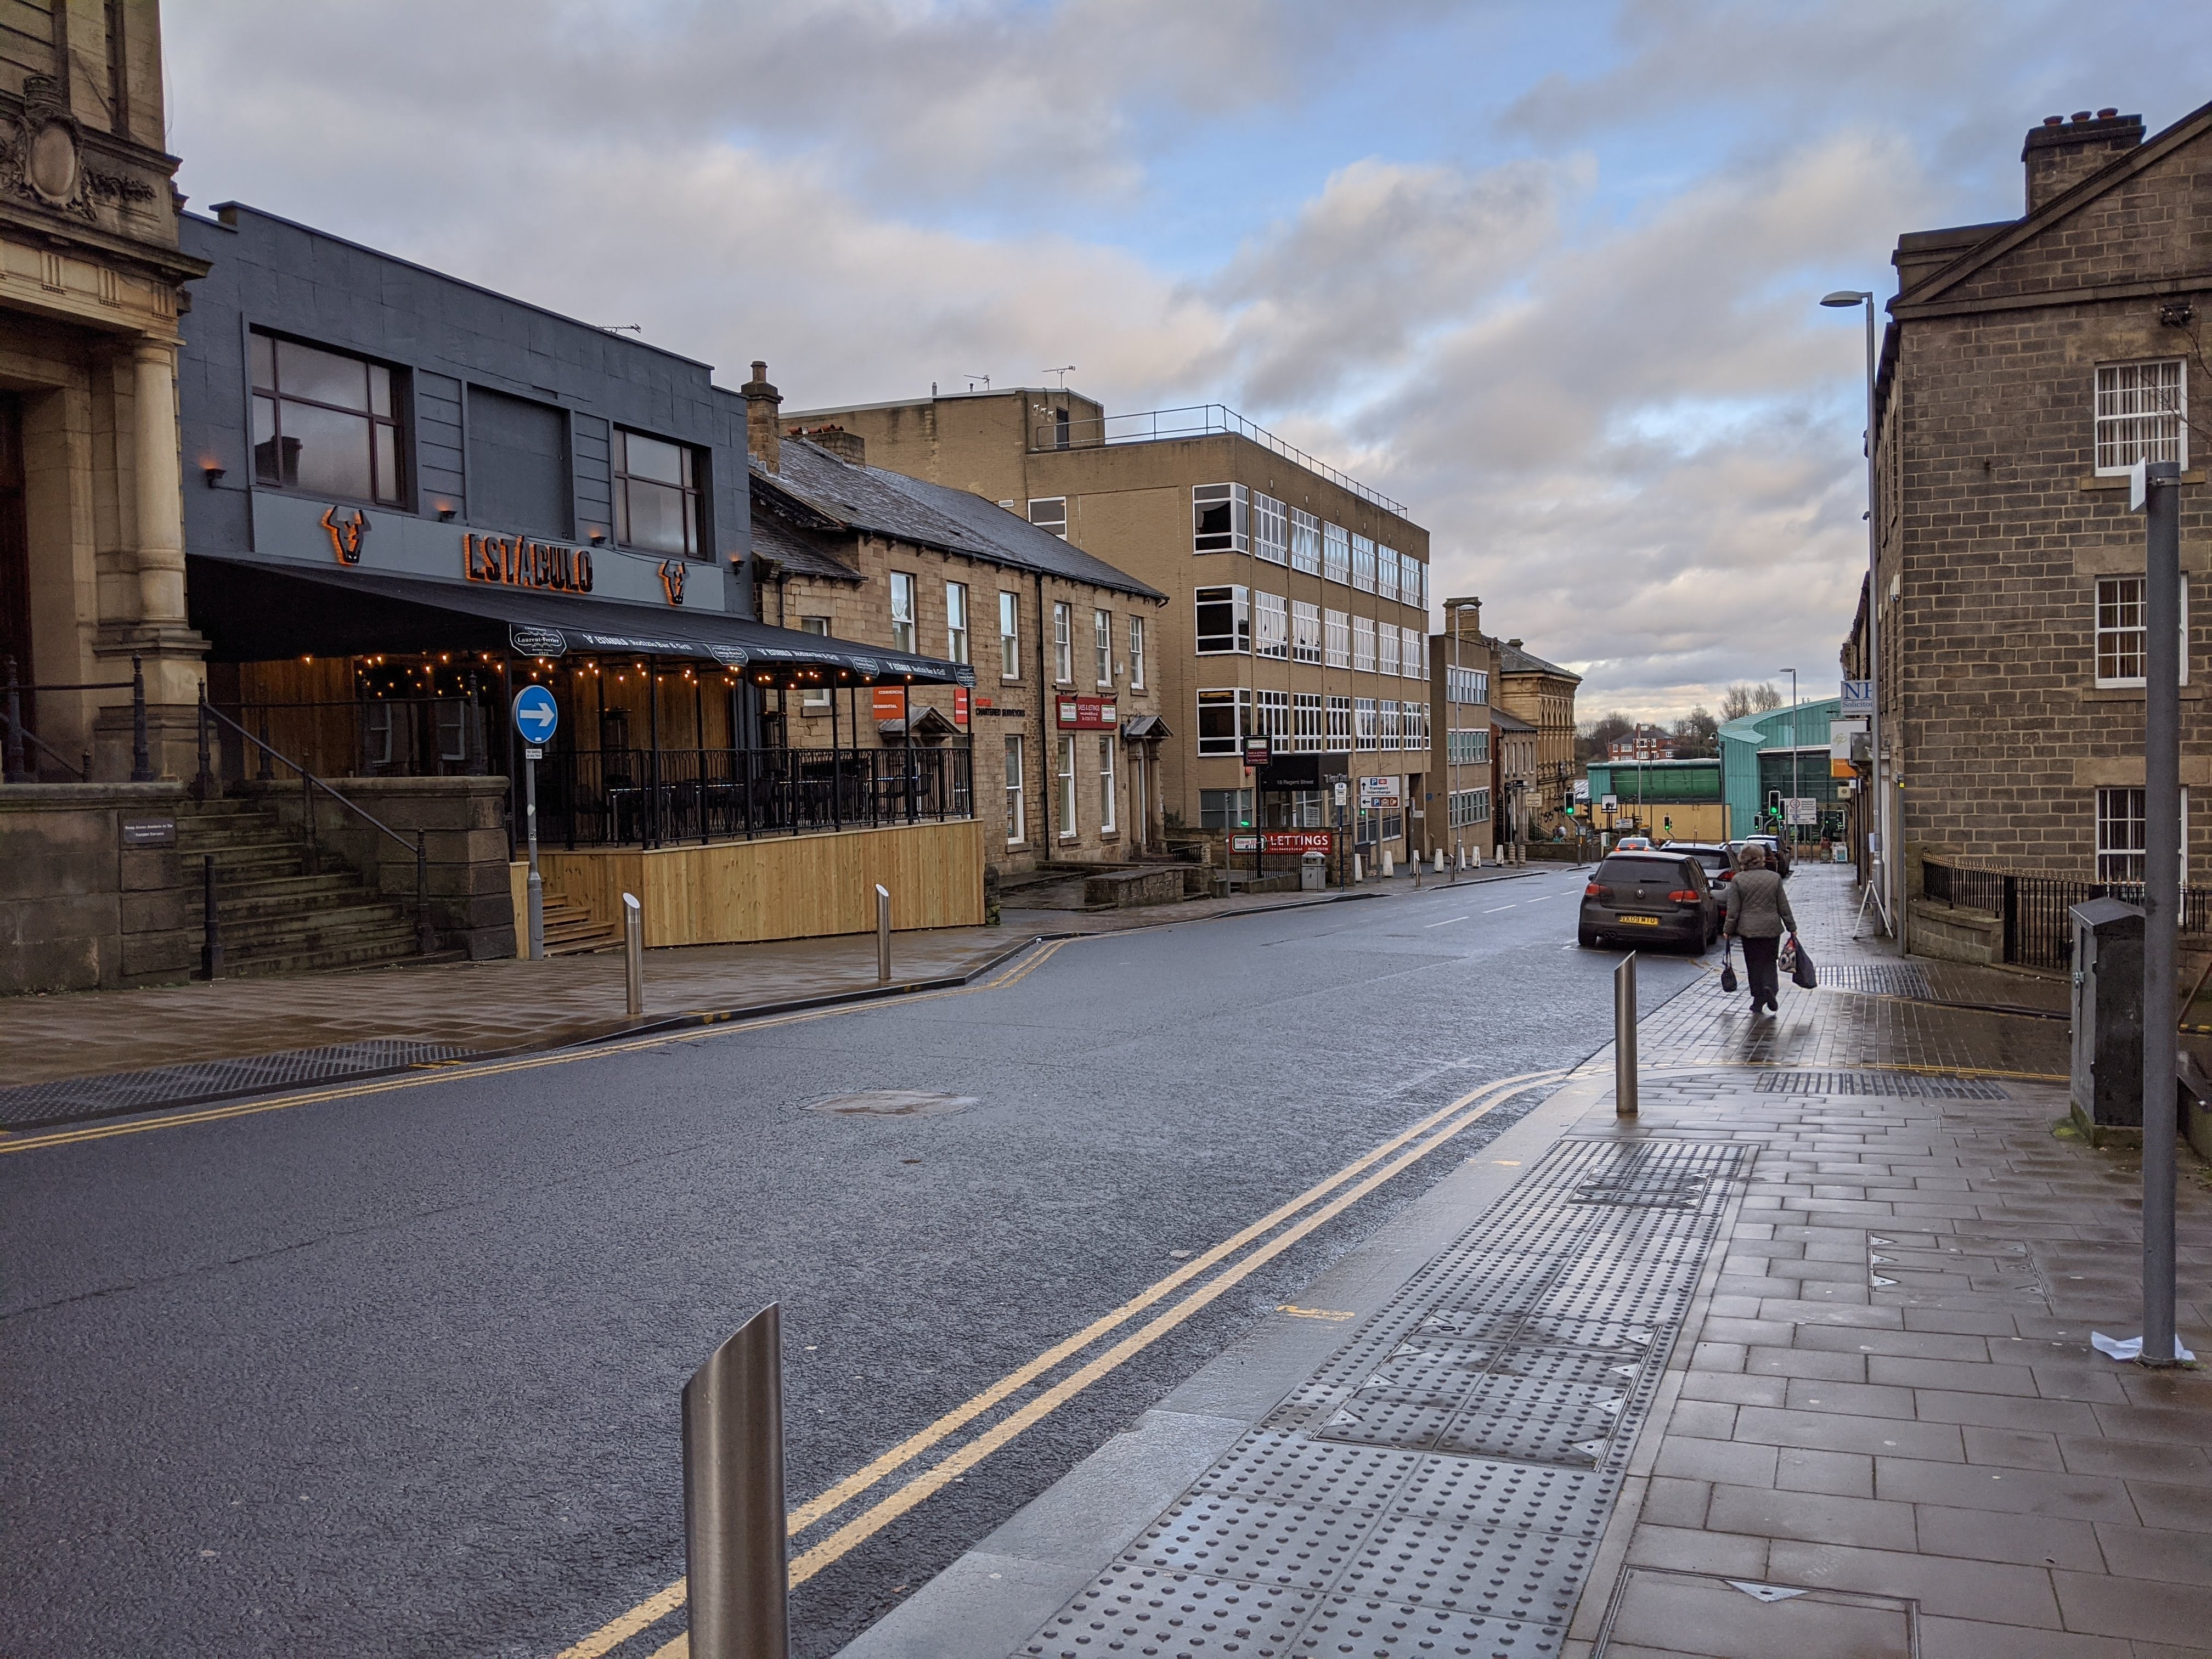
648,797
2037,934
1192,421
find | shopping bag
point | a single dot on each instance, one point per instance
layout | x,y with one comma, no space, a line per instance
1801,970
1727,965
1785,960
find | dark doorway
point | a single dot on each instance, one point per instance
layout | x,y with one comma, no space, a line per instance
15,554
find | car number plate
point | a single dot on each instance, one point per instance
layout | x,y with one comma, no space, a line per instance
1641,922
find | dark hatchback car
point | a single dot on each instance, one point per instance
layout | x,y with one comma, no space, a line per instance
1659,897
1719,860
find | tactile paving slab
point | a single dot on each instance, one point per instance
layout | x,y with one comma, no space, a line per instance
1438,1485
1896,1084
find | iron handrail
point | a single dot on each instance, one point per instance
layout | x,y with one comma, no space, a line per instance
11,756
207,783
19,733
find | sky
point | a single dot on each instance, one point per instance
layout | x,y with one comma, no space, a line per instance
1547,273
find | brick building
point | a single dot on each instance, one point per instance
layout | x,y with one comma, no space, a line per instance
1462,787
1063,721
2027,363
1297,597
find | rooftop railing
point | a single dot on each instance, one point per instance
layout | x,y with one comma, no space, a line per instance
1194,420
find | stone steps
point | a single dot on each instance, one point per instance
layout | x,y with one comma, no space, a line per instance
277,916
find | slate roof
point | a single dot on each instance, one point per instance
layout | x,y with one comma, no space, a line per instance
1505,722
1512,660
872,500
802,552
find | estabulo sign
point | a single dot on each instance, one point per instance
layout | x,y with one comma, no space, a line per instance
519,561
1087,713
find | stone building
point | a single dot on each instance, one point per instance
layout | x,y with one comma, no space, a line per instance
92,565
1063,721
1517,775
2028,362
1542,694
1297,597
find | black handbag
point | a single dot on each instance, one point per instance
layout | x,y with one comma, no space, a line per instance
1727,964
1801,973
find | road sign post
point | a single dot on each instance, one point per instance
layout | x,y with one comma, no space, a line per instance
536,717
2155,490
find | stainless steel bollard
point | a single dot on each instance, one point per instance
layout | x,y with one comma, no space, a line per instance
733,1518
1623,1037
883,934
634,954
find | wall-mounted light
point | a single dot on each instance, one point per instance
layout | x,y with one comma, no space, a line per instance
445,513
213,475
599,538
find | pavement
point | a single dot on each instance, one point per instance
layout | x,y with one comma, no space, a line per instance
134,1049
1796,1361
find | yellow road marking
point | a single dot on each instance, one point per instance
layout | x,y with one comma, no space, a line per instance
497,1068
1297,1312
1489,1097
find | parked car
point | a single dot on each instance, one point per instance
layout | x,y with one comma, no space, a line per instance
1633,844
1778,855
1639,898
1719,860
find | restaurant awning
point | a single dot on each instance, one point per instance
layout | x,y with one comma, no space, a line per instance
254,611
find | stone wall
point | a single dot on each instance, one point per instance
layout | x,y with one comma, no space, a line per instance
80,909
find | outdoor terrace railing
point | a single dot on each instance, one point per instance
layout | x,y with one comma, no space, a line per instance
1194,420
2037,934
645,797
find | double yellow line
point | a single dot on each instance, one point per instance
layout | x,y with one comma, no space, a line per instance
1332,1196
450,1072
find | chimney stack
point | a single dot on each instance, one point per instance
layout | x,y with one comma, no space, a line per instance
763,433
1463,620
2060,154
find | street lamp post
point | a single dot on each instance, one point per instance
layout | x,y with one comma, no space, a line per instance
1878,861
1796,735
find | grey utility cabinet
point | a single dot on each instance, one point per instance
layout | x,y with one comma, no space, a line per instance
2108,1013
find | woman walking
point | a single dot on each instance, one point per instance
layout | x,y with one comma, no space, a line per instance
1759,914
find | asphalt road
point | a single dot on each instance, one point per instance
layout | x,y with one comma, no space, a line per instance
396,1374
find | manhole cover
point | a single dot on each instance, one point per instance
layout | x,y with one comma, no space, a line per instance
892,1102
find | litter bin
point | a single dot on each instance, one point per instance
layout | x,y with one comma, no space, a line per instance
2108,1014
1313,873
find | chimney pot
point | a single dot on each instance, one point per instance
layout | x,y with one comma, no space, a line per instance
2081,114
2106,114
2059,156
2054,120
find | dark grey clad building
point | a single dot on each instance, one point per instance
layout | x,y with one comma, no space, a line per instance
407,496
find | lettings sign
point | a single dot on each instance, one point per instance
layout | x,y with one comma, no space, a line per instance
519,561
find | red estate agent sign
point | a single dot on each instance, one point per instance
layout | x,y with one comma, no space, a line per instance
1283,840
1087,713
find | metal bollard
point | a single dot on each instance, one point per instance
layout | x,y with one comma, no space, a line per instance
883,934
634,954
1623,1037
733,1519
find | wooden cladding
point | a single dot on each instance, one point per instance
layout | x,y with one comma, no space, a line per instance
519,562
796,887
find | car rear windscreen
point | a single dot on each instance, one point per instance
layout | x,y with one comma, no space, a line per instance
1635,869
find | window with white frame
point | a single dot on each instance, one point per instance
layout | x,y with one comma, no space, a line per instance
1413,581
956,622
1363,644
1416,733
1306,727
1362,563
1469,807
1270,530
1367,733
1009,636
1468,748
1271,626
1415,661
1305,632
1466,685
1102,645
1386,654
1271,717
2142,414
1051,513
1018,829
902,611
1221,519
818,697
1335,553
1225,621
1339,725
2123,630
1137,653
1337,632
1224,717
2122,835
1067,829
1305,542
1389,730
1386,572
1063,643
1107,817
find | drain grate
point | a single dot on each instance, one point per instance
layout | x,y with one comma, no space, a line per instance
1905,1085
1882,979
1438,1485
74,1099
